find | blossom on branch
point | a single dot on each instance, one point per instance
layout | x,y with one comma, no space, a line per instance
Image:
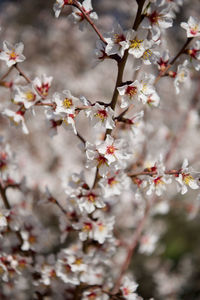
192,27
12,54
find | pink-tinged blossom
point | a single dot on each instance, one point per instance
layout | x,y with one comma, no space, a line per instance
90,200
116,41
128,289
192,27
157,17
113,150
148,243
12,54
128,93
185,179
114,184
25,95
16,118
101,116
65,103
43,84
182,76
137,42
78,17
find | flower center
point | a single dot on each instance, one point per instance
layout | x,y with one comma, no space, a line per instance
30,96
118,38
112,181
131,91
91,197
135,44
102,114
158,180
101,160
187,178
87,227
110,150
154,17
13,55
67,103
194,30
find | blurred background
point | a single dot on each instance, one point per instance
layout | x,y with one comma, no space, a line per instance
56,47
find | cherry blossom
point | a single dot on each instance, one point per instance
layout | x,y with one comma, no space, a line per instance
12,54
185,179
128,93
192,27
128,289
101,116
116,41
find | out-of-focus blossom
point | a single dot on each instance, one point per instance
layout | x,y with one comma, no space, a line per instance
16,118
185,179
182,75
128,289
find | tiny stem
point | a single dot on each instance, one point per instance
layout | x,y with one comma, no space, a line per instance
81,138
22,73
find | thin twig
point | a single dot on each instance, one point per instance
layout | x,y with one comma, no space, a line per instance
87,17
153,173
